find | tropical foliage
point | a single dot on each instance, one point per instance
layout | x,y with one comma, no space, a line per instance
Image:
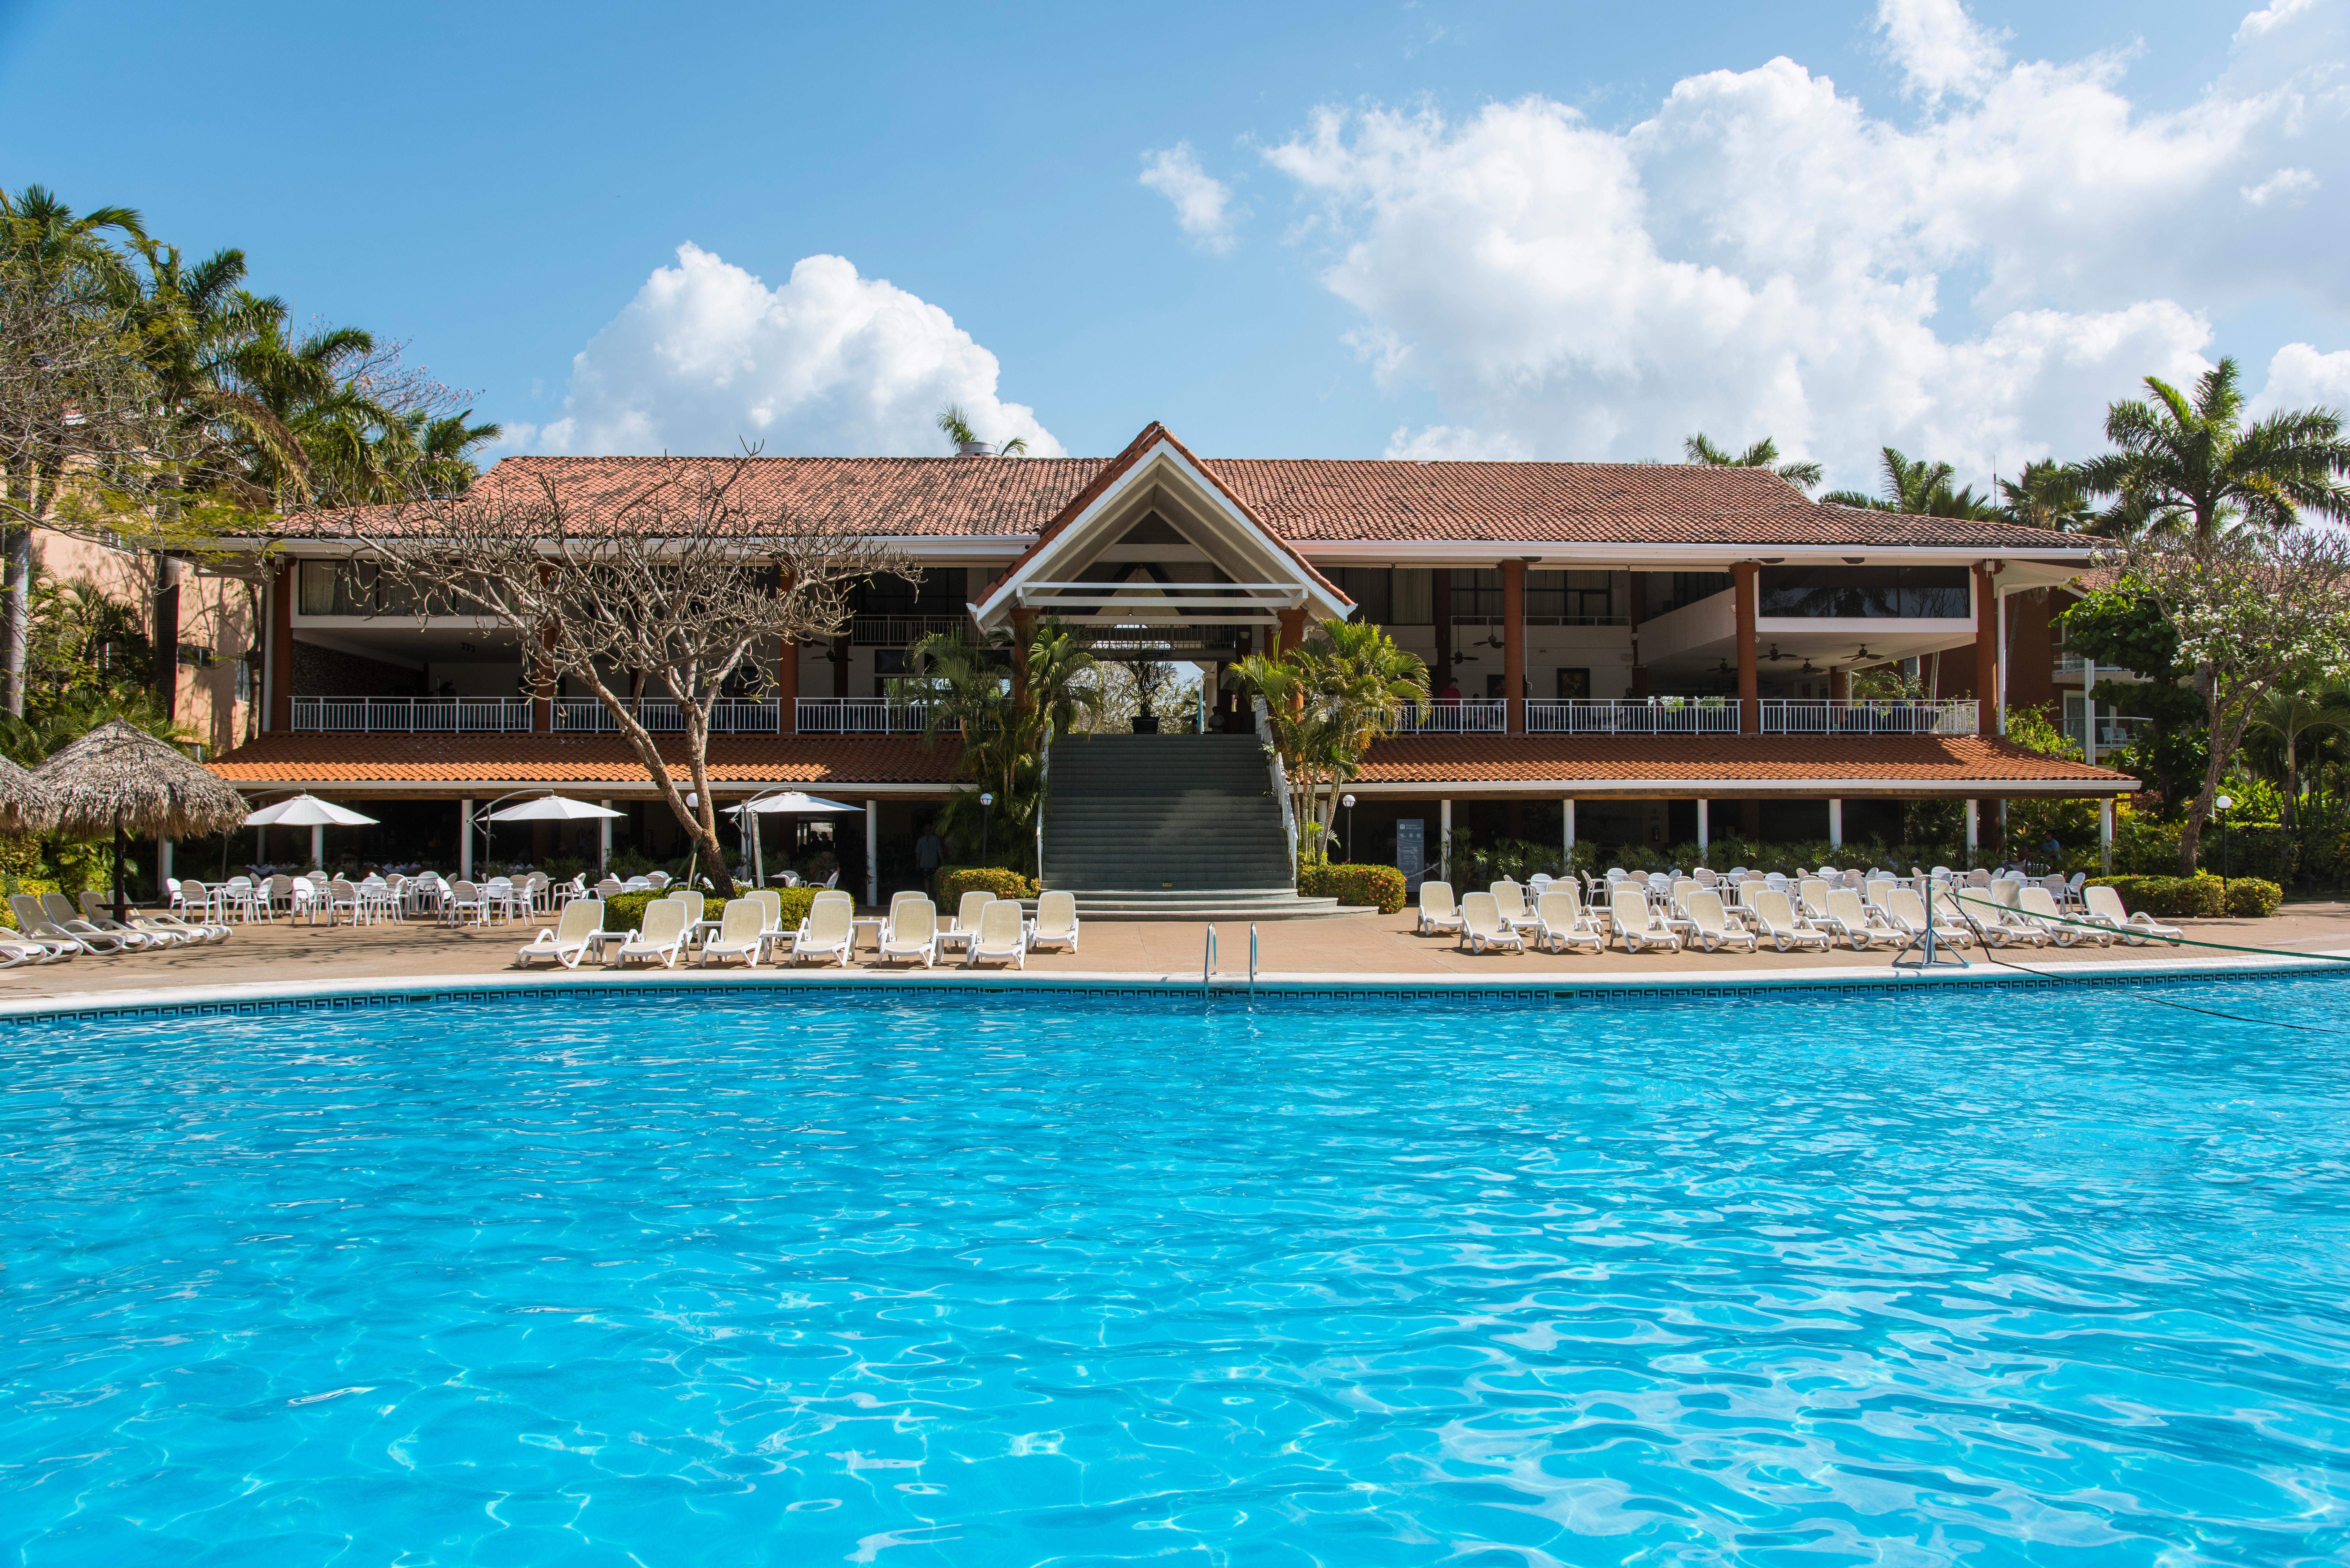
1763,454
1326,700
2189,467
1918,488
1003,726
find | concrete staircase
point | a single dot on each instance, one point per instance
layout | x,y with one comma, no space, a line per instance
1169,827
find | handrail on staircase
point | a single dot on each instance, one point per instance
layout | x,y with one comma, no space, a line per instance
1280,777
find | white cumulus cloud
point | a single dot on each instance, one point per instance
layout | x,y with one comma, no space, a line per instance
707,355
2302,378
1202,203
1761,254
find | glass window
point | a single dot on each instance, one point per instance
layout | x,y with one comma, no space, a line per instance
1862,592
1411,592
1368,588
1670,591
1476,594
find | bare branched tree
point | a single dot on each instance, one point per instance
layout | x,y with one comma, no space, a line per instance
683,580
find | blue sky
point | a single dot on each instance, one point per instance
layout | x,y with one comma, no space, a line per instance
496,185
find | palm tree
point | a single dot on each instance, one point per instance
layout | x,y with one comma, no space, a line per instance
2049,494
1004,739
2290,721
1763,454
1325,701
1919,489
2192,465
957,426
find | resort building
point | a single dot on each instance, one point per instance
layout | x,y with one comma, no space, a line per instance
1626,653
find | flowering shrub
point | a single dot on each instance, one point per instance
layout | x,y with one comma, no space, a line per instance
1374,887
954,881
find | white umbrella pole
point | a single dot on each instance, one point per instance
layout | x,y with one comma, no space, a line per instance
758,863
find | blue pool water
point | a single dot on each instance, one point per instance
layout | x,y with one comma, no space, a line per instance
2032,1276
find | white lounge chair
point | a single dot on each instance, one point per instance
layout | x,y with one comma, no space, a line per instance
2037,904
742,933
1906,912
1483,926
2104,908
51,949
1996,921
829,929
662,936
569,939
93,909
61,913
1559,922
1002,934
912,931
1774,917
1637,924
965,924
34,921
1439,913
770,911
1863,928
1057,921
1510,898
1710,924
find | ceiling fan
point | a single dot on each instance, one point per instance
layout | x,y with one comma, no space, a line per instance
1774,655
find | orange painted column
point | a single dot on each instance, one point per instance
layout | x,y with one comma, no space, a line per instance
542,699
1513,647
1744,578
1986,652
1024,628
281,650
1293,629
1839,685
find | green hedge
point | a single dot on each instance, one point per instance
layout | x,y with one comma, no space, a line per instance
954,881
1373,886
2250,849
2253,897
626,911
2169,897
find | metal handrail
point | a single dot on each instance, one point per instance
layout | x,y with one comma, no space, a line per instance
1452,716
413,715
1635,716
663,716
1829,716
845,716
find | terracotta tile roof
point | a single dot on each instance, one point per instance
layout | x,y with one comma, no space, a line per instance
1299,499
579,759
1136,450
1897,761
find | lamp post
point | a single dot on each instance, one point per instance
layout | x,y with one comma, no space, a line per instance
2222,803
1349,802
986,800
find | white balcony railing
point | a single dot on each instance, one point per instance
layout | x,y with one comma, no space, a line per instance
820,717
413,715
1646,716
1801,716
728,716
2115,731
901,630
1457,716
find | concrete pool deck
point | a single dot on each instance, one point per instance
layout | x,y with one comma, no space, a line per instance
284,960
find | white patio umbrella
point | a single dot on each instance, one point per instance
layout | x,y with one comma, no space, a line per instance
790,802
317,816
551,808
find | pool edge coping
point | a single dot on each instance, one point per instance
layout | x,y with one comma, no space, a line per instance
237,995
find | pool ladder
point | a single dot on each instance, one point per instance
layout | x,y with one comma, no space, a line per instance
1208,962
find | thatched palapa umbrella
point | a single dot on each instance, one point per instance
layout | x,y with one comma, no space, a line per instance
26,803
120,779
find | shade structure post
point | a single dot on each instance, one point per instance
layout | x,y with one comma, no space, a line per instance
1704,835
758,859
604,840
1444,839
2105,835
872,853
1569,813
1835,823
121,851
464,841
318,846
1974,830
163,848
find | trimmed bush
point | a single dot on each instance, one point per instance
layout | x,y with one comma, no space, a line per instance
1379,888
2169,897
626,912
954,881
2253,897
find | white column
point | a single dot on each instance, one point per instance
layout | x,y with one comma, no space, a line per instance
2105,834
464,841
1998,601
872,853
604,840
1570,827
1835,823
1704,827
1444,840
163,867
1974,829
318,847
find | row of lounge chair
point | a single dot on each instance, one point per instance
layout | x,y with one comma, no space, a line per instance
751,930
1813,917
48,930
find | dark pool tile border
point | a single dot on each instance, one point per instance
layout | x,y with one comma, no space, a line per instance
1042,990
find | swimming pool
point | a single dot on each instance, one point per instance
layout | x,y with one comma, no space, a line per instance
2014,1275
